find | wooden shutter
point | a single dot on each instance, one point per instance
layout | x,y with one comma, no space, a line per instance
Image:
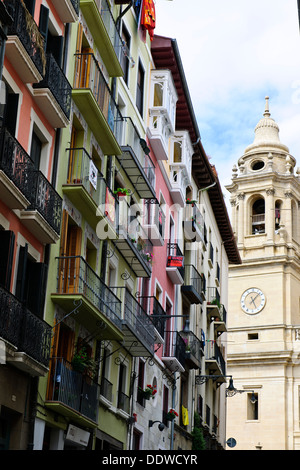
43,23
11,112
7,246
78,57
30,5
72,156
36,292
21,274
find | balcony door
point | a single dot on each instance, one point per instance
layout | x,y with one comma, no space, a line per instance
69,262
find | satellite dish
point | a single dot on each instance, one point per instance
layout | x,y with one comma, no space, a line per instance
231,442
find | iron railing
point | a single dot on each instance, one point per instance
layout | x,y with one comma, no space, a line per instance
143,161
156,312
174,347
154,216
193,278
111,28
193,345
16,163
213,296
46,200
82,171
88,75
175,253
27,332
28,32
72,388
136,317
57,83
75,276
213,351
106,389
18,166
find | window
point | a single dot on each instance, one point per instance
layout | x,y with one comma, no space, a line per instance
140,383
7,244
36,149
106,386
125,59
140,88
252,406
31,282
165,405
258,217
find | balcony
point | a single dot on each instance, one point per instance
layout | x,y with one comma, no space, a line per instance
193,286
175,263
28,336
136,162
194,349
103,28
133,242
193,223
79,285
178,184
162,112
15,170
214,361
88,191
72,394
67,10
154,222
213,304
53,94
94,100
24,46
174,352
43,215
27,189
157,315
137,327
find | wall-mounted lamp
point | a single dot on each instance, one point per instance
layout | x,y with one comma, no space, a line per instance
161,425
231,391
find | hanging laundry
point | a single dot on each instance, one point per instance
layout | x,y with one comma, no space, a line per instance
148,17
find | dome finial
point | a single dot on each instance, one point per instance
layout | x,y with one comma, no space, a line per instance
267,112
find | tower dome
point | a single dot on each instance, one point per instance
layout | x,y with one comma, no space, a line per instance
266,134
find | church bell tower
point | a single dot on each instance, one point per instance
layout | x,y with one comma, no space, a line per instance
264,295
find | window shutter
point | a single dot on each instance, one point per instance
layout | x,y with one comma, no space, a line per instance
43,23
30,5
21,274
7,245
37,277
11,112
55,46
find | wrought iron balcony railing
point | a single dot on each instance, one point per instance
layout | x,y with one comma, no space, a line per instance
175,258
174,350
83,172
156,312
72,389
88,75
112,30
19,167
193,284
135,161
16,163
58,84
213,351
106,389
75,276
194,348
25,331
27,31
46,200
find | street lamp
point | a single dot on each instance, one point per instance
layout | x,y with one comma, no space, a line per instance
230,390
161,425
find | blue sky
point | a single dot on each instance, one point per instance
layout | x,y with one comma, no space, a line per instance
234,53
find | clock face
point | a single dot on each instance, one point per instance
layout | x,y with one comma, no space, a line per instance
253,300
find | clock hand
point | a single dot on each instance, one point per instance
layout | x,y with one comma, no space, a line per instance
252,301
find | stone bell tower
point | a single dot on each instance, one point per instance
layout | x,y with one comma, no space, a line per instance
264,295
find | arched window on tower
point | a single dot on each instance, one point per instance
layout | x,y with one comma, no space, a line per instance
277,214
258,216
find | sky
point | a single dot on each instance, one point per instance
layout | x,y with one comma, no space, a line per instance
234,54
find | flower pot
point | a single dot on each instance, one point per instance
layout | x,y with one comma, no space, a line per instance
170,416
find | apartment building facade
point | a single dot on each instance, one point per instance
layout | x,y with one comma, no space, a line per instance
128,283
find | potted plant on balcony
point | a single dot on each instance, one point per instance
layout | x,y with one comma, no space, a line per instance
171,415
122,192
190,201
82,363
148,392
